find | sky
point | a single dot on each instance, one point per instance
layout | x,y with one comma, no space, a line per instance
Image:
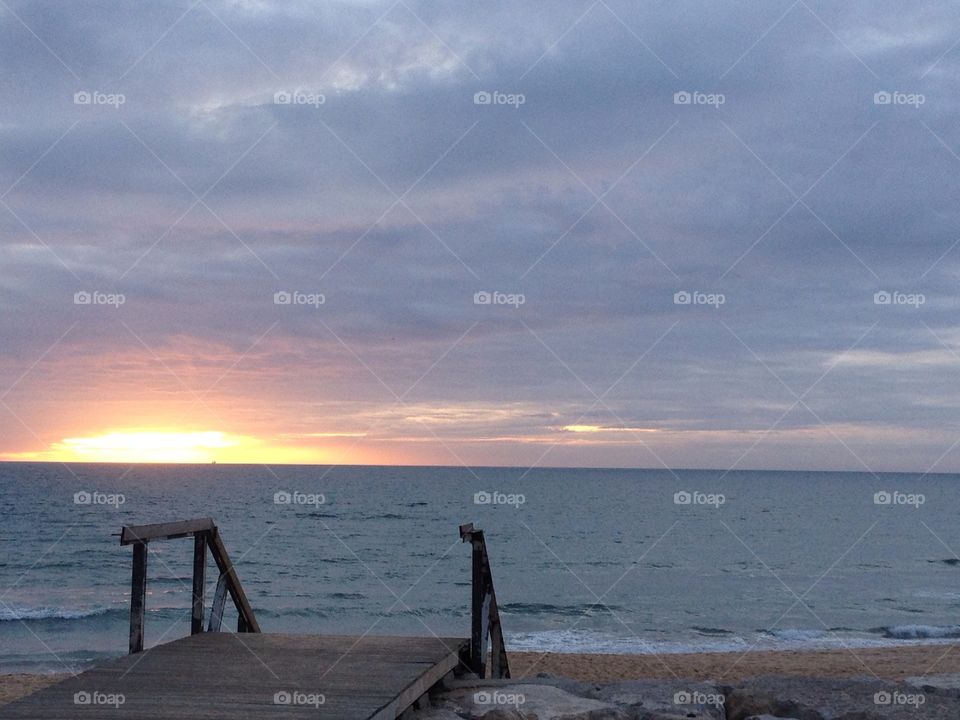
660,234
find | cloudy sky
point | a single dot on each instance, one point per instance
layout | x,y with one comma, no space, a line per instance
607,233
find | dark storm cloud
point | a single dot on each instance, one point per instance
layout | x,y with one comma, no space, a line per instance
599,198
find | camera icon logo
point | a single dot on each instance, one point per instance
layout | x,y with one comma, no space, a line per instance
82,298
682,498
682,98
282,298
882,698
482,298
682,298
682,697
882,298
82,698
882,98
282,698
882,498
482,498
482,698
482,98
282,97
82,498
282,498
82,98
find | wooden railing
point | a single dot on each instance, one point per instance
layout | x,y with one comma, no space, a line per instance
205,535
485,613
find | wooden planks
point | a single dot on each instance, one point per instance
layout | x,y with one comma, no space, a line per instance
221,676
165,531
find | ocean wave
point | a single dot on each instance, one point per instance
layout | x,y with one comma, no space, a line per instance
795,634
565,610
919,632
18,614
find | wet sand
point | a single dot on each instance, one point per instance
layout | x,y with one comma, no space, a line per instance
885,663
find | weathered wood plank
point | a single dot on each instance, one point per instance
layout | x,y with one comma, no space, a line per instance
220,556
199,580
165,531
359,678
138,596
219,601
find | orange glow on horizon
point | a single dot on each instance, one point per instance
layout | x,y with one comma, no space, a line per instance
174,446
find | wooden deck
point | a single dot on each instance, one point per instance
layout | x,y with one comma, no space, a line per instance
214,676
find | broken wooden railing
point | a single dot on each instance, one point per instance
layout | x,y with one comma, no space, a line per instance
485,613
205,535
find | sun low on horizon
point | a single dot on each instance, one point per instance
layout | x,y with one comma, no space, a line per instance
171,445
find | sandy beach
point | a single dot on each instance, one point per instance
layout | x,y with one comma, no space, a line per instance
884,663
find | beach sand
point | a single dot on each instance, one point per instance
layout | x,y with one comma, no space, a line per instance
16,686
886,663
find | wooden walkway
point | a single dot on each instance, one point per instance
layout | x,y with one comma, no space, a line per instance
214,676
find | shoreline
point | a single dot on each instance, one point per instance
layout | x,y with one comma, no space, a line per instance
886,663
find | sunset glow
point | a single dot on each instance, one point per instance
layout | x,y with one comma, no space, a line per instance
172,446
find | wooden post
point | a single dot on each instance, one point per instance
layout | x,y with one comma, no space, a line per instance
138,596
199,578
219,601
478,631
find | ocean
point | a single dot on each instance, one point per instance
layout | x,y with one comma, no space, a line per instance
626,561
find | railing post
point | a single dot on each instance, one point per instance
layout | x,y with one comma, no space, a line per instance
477,631
199,578
138,596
